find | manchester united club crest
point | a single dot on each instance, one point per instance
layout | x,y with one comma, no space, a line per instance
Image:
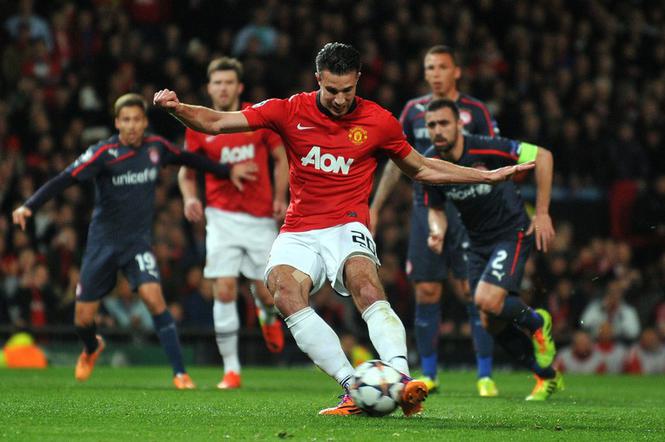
357,135
154,155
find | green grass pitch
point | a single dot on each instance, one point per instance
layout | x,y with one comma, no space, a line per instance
275,404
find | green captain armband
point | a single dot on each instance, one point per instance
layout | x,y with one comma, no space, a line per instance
528,152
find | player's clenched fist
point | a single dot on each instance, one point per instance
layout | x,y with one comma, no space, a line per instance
166,99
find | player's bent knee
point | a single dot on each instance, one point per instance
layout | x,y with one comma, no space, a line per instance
289,288
225,289
489,303
428,292
84,314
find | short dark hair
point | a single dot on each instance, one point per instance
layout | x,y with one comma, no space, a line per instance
442,49
441,103
129,100
338,58
225,64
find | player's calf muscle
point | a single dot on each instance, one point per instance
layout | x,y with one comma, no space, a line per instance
362,280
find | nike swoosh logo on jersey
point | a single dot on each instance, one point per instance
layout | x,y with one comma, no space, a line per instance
301,127
210,138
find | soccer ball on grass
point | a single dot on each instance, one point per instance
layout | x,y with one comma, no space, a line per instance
376,387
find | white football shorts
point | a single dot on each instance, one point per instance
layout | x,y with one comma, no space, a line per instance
237,243
322,253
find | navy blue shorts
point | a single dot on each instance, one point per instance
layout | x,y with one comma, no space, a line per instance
101,263
424,265
500,263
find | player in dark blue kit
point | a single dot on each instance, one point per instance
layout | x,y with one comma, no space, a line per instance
428,269
501,237
124,169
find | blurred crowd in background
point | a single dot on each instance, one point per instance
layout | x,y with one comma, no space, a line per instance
585,79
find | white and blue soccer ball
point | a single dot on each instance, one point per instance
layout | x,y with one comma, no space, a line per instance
376,387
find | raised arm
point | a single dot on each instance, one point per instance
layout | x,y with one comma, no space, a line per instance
541,223
389,179
199,118
434,171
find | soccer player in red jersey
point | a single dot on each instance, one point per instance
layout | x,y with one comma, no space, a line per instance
332,138
240,223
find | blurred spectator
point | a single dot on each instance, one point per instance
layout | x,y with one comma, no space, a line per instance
612,309
257,37
613,353
36,300
126,310
565,306
650,211
647,356
37,26
580,356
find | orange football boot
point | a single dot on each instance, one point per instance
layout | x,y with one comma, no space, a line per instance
230,381
182,381
274,336
413,395
346,407
86,362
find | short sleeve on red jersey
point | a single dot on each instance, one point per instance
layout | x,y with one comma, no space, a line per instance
272,140
192,141
268,114
395,144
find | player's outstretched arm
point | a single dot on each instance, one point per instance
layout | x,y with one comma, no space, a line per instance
438,224
541,224
389,179
50,189
434,171
200,118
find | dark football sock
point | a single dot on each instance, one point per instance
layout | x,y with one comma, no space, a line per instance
428,318
483,342
89,337
168,336
520,314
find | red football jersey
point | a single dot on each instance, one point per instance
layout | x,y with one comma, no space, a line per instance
331,160
256,198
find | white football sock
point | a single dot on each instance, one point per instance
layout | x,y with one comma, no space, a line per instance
315,337
387,334
227,323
